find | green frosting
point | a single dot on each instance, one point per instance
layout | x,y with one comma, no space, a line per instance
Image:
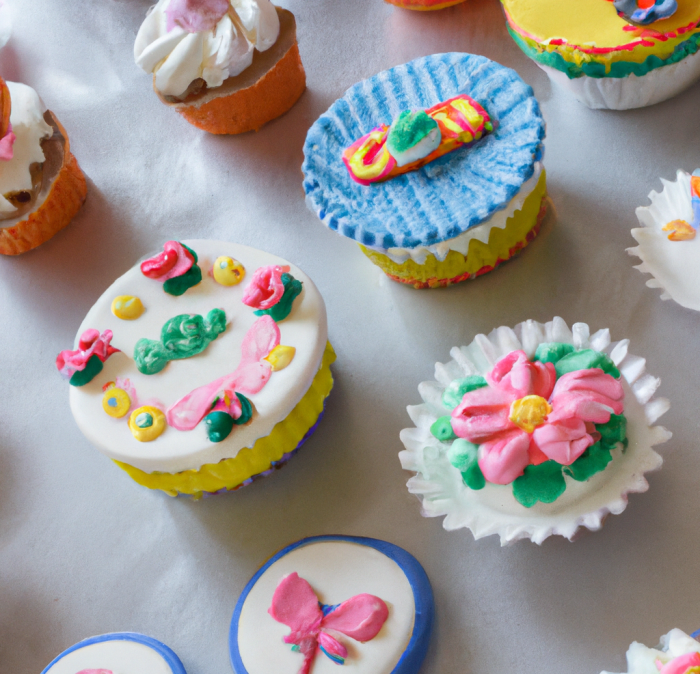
181,337
592,461
92,368
246,410
551,352
617,69
179,284
281,310
585,359
442,429
409,129
539,483
614,431
219,425
453,394
464,457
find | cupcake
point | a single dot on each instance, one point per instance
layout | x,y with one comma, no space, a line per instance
116,653
41,185
618,55
201,368
424,5
668,246
534,431
677,653
227,66
433,167
334,600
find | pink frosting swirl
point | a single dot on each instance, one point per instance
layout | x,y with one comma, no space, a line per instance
266,287
195,16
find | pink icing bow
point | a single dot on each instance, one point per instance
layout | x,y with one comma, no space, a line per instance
195,16
266,287
249,377
91,344
295,604
680,665
578,400
95,671
174,261
6,143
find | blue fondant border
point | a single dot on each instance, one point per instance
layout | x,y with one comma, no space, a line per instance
166,653
412,658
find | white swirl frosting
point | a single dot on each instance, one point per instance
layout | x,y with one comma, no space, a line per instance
178,57
643,660
29,127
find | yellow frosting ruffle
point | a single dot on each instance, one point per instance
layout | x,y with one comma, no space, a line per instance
433,273
231,473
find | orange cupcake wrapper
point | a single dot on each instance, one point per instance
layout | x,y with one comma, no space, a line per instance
66,196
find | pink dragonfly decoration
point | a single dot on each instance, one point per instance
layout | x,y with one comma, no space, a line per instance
313,624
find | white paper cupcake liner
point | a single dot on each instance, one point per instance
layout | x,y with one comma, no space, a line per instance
633,91
493,509
674,265
641,659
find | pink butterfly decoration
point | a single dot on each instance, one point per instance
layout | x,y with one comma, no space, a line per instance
295,604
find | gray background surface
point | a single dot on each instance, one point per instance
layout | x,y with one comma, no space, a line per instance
83,550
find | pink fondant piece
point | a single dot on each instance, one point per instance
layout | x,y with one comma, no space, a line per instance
266,287
332,646
504,457
482,414
681,664
91,343
360,617
295,604
95,671
152,267
516,375
564,441
6,143
195,16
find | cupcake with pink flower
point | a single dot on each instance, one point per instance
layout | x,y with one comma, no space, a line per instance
534,431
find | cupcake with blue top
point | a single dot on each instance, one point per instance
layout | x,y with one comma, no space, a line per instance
434,167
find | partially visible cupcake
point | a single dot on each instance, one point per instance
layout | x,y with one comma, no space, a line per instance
434,167
41,185
618,55
534,431
424,5
669,247
227,66
677,653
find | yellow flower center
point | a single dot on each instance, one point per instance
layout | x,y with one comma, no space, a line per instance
529,412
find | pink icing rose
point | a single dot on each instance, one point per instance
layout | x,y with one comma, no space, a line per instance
195,16
95,671
6,143
91,343
266,287
560,430
680,665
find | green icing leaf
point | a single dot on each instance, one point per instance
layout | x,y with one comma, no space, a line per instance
592,461
464,457
92,368
584,360
409,129
539,483
442,429
614,431
190,251
246,410
453,394
281,310
179,284
551,352
218,425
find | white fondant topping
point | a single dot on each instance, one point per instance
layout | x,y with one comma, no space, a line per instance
27,119
674,265
175,451
178,58
493,509
337,571
420,150
642,660
481,232
119,656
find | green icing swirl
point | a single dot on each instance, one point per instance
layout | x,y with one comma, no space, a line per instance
453,394
92,368
409,129
281,310
181,337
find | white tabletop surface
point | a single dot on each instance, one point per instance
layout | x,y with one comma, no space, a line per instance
84,550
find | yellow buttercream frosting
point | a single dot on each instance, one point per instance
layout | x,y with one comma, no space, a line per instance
231,473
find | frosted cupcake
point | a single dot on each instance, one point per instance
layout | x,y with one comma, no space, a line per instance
534,431
227,66
126,652
334,600
424,5
668,243
677,653
617,55
41,185
202,367
433,167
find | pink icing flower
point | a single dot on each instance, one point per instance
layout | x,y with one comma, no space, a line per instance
175,260
526,416
95,671
6,143
683,664
91,344
295,604
195,16
266,287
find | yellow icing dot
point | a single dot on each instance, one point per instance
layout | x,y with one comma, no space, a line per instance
529,412
147,423
280,357
116,402
227,271
127,307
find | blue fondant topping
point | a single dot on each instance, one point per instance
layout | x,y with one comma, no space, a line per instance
446,197
327,608
412,658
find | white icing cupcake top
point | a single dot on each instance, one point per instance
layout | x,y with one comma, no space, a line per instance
224,356
29,128
123,655
677,654
182,40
